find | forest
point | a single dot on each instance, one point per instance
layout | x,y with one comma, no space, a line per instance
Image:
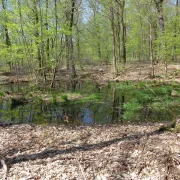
89,89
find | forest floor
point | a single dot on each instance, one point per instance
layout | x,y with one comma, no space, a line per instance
127,152
134,71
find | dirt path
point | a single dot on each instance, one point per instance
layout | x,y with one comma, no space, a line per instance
107,152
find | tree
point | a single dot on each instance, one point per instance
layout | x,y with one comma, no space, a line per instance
174,55
78,32
159,7
6,31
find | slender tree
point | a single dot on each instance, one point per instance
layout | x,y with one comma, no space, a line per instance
6,31
71,25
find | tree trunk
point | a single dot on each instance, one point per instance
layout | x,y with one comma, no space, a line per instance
71,48
78,46
56,56
159,7
36,34
7,38
174,56
47,29
67,51
123,24
114,42
41,48
118,34
151,50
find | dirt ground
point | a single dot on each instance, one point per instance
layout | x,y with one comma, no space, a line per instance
137,71
131,152
134,71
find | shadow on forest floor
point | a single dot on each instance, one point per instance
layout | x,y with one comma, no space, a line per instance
88,147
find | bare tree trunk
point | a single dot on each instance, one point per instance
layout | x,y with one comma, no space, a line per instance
73,70
67,51
174,56
159,7
41,48
123,24
151,50
36,34
78,46
7,38
56,56
114,42
47,29
118,33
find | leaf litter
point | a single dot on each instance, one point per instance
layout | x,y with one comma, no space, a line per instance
108,152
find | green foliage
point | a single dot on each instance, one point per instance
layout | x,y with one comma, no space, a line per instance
39,99
158,98
144,97
163,90
131,108
158,106
127,85
90,98
65,99
1,94
54,98
30,31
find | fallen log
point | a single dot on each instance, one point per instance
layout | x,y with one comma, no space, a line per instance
5,124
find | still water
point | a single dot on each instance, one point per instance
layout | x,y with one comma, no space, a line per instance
109,103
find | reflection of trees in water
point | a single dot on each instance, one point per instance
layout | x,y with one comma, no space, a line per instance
117,106
146,113
122,107
18,111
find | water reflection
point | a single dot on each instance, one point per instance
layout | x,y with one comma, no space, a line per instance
87,116
109,109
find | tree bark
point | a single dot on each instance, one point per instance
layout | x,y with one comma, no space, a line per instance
151,50
73,70
159,7
36,34
123,24
7,38
47,29
174,56
114,42
56,56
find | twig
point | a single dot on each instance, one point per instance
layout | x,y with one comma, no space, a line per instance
5,168
80,167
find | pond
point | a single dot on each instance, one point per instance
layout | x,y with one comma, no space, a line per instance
98,104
